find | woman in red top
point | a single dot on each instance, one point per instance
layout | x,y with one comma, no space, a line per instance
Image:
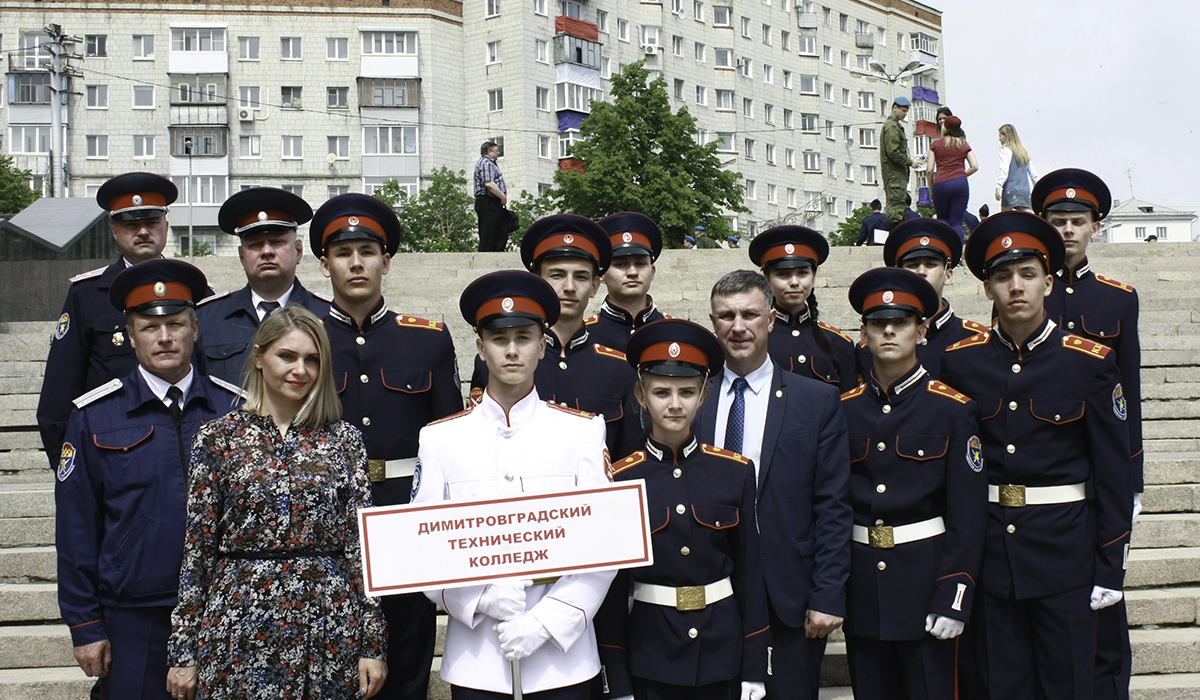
950,188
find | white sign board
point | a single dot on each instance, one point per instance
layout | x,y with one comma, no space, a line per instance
450,544
879,236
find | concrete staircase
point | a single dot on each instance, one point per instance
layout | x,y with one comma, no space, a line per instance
1163,581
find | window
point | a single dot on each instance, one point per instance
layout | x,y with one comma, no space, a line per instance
746,27
766,34
843,22
723,58
289,97
812,161
831,206
97,146
541,99
812,201
572,49
195,93
203,189
701,136
493,8
722,16
650,36
30,139
1161,232
808,123
677,7
830,166
1139,232
787,118
97,96
791,197
698,10
787,80
866,101
95,45
747,67
769,114
771,154
247,48
751,189
861,27
808,45
828,54
297,190
539,7
826,13
337,49
389,43
866,138
143,47
143,97
622,30
143,146
293,147
808,84
748,149
339,146
789,158
677,45
576,97
725,99
747,107
699,52
337,97
868,174
200,39
337,190
493,52
768,73
602,20
200,141
846,60
605,71
725,142
829,92
850,172
845,97
785,41
248,97
849,207
290,49
848,133
541,51
829,129
250,146
566,142
771,189
495,100
543,146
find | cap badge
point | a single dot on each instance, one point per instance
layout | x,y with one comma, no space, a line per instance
1006,242
673,350
507,304
353,221
137,200
627,237
568,239
924,240
887,297
160,290
1071,192
262,216
789,249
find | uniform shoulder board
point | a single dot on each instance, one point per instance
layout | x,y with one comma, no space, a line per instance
977,339
941,389
323,297
452,416
88,275
228,386
214,297
836,331
1114,283
724,454
669,317
631,461
99,392
974,326
572,411
1085,346
592,320
608,352
414,322
856,391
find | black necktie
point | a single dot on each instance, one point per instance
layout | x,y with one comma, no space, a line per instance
176,396
736,425
266,307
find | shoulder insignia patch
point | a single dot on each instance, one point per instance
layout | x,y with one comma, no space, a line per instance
836,331
974,326
1114,283
88,275
228,386
452,416
856,391
323,297
936,387
591,321
63,325
476,395
631,461
214,297
1085,346
1120,408
414,322
723,453
608,352
66,461
975,453
99,392
572,411
977,339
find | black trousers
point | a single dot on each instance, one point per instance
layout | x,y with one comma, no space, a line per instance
920,669
794,662
138,637
645,689
1114,658
493,227
579,691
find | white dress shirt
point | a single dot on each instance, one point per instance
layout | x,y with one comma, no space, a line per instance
757,395
159,386
255,300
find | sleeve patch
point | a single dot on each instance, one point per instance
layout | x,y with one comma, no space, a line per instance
836,331
855,392
1114,283
64,325
416,482
936,387
723,453
629,462
977,339
572,411
1085,346
608,352
1119,406
66,461
414,322
975,454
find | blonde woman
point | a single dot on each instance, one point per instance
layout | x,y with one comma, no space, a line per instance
271,601
1017,174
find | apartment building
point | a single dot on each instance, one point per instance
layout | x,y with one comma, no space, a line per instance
324,97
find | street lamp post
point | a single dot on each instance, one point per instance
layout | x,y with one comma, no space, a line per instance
879,72
187,148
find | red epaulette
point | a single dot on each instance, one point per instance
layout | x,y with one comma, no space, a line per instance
214,297
724,454
591,321
452,416
835,330
414,322
1114,283
856,391
631,461
936,387
1085,346
608,352
974,326
572,411
88,275
977,339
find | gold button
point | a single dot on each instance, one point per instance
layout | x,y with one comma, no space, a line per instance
1012,405
887,408
1101,334
881,565
563,404
1011,529
717,523
366,420
802,359
1016,369
879,522
677,473
920,453
562,365
1070,324
1070,290
881,447
364,379
1011,449
680,509
360,340
508,477
796,333
1057,417
693,633
779,393
881,488
685,550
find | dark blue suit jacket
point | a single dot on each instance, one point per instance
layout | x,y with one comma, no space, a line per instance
804,513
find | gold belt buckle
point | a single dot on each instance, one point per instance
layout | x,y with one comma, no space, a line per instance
1012,495
377,469
546,580
690,598
880,537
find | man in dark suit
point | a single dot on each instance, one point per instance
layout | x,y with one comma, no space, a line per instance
875,220
792,428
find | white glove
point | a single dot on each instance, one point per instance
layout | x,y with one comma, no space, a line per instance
624,697
1104,597
503,600
521,636
943,627
753,691
1137,505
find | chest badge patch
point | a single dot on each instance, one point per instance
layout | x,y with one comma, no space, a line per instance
1119,406
118,339
975,454
64,325
66,461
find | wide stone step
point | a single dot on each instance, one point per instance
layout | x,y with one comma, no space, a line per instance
35,646
26,532
1156,530
25,460
1170,358
26,501
22,370
20,385
1169,375
61,683
27,439
25,348
19,402
28,602
1178,391
1170,410
1156,429
1162,606
1156,446
1175,650
21,564
1171,467
1170,498
1170,566
1167,686
26,418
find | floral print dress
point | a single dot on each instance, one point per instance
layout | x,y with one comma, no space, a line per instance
271,601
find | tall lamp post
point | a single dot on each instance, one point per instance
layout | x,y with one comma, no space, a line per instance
187,148
879,72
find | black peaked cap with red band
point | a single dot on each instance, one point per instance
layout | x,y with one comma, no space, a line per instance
263,210
633,234
675,348
922,238
1071,189
508,298
892,292
569,236
354,216
788,246
158,287
1012,235
136,196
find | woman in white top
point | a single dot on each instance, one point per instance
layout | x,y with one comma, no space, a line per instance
1017,174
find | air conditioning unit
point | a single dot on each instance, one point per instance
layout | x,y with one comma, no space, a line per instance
245,115
650,49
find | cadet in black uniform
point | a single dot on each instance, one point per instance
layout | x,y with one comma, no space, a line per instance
932,250
920,501
265,218
789,257
394,374
90,347
1105,311
1056,450
698,625
636,244
571,253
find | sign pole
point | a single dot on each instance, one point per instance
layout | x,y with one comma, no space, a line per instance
516,675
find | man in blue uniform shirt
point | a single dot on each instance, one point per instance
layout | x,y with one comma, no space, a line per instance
265,218
394,374
1103,310
121,494
875,220
1056,451
90,346
636,244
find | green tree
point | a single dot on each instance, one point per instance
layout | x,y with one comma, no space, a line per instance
847,230
639,156
15,194
440,219
926,212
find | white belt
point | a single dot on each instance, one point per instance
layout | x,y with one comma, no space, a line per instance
883,537
685,598
382,470
1017,496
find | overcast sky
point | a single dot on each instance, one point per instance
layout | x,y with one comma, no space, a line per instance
1111,87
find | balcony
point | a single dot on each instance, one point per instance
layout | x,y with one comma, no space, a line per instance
199,115
29,60
864,41
389,92
807,20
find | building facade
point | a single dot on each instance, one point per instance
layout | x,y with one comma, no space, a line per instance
1133,220
330,96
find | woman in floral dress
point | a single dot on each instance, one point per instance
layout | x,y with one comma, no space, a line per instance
271,601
